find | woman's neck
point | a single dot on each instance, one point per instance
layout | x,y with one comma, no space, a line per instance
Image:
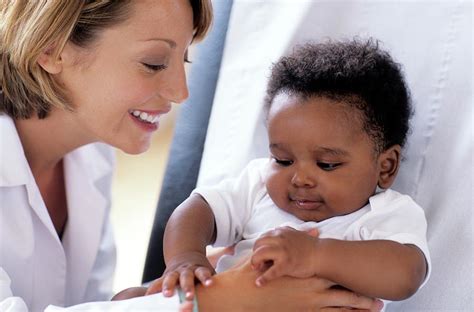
47,141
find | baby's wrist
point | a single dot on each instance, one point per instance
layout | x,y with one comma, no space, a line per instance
318,255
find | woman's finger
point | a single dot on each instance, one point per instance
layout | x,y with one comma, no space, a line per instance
342,309
128,293
155,287
186,306
348,299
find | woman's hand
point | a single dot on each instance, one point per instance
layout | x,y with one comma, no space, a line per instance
235,290
183,270
128,293
214,254
133,292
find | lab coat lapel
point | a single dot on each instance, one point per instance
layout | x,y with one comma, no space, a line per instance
15,171
87,210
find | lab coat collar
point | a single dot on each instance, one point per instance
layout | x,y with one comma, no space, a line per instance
88,196
88,199
14,169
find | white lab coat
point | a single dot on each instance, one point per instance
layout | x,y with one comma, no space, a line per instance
44,270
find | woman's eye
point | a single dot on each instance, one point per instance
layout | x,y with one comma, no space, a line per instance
284,162
328,166
154,67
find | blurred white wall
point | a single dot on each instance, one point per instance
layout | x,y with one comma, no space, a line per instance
135,192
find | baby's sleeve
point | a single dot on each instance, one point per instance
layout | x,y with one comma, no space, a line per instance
232,201
394,217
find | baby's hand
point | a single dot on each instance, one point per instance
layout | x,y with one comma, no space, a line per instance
183,270
284,251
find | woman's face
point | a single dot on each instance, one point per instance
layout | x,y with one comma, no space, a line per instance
129,77
324,164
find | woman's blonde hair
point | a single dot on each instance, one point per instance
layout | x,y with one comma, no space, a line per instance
28,28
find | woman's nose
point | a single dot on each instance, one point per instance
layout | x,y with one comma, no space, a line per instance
176,87
303,178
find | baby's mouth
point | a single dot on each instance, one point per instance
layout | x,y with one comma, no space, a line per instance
307,204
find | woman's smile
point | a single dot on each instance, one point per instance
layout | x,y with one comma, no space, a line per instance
147,120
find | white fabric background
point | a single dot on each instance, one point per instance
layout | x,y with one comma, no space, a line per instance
433,42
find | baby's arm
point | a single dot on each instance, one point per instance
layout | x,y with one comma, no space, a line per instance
376,268
189,230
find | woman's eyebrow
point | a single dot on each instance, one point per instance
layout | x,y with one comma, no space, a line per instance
171,43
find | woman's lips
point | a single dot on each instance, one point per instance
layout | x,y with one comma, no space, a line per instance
148,120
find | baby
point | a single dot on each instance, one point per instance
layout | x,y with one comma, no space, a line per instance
321,204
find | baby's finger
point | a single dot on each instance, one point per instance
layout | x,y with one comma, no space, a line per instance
186,281
155,287
265,241
263,255
170,281
273,272
313,232
203,274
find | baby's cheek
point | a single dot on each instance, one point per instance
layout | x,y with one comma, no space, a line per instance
278,194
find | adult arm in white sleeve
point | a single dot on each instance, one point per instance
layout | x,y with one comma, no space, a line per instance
147,303
9,303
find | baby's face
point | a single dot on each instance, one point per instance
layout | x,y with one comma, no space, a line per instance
323,162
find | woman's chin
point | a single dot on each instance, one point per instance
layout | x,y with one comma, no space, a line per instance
135,149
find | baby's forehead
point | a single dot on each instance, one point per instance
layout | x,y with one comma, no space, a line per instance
346,109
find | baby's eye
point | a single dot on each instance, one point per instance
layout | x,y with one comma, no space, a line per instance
328,166
283,162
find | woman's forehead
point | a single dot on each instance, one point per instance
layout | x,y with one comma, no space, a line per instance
160,19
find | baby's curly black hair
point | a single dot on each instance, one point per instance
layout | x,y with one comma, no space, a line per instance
356,72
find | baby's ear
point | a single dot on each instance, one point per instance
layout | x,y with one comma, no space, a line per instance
388,162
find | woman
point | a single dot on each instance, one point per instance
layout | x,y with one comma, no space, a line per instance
75,73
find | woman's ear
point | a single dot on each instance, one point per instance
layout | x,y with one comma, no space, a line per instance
49,62
388,162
